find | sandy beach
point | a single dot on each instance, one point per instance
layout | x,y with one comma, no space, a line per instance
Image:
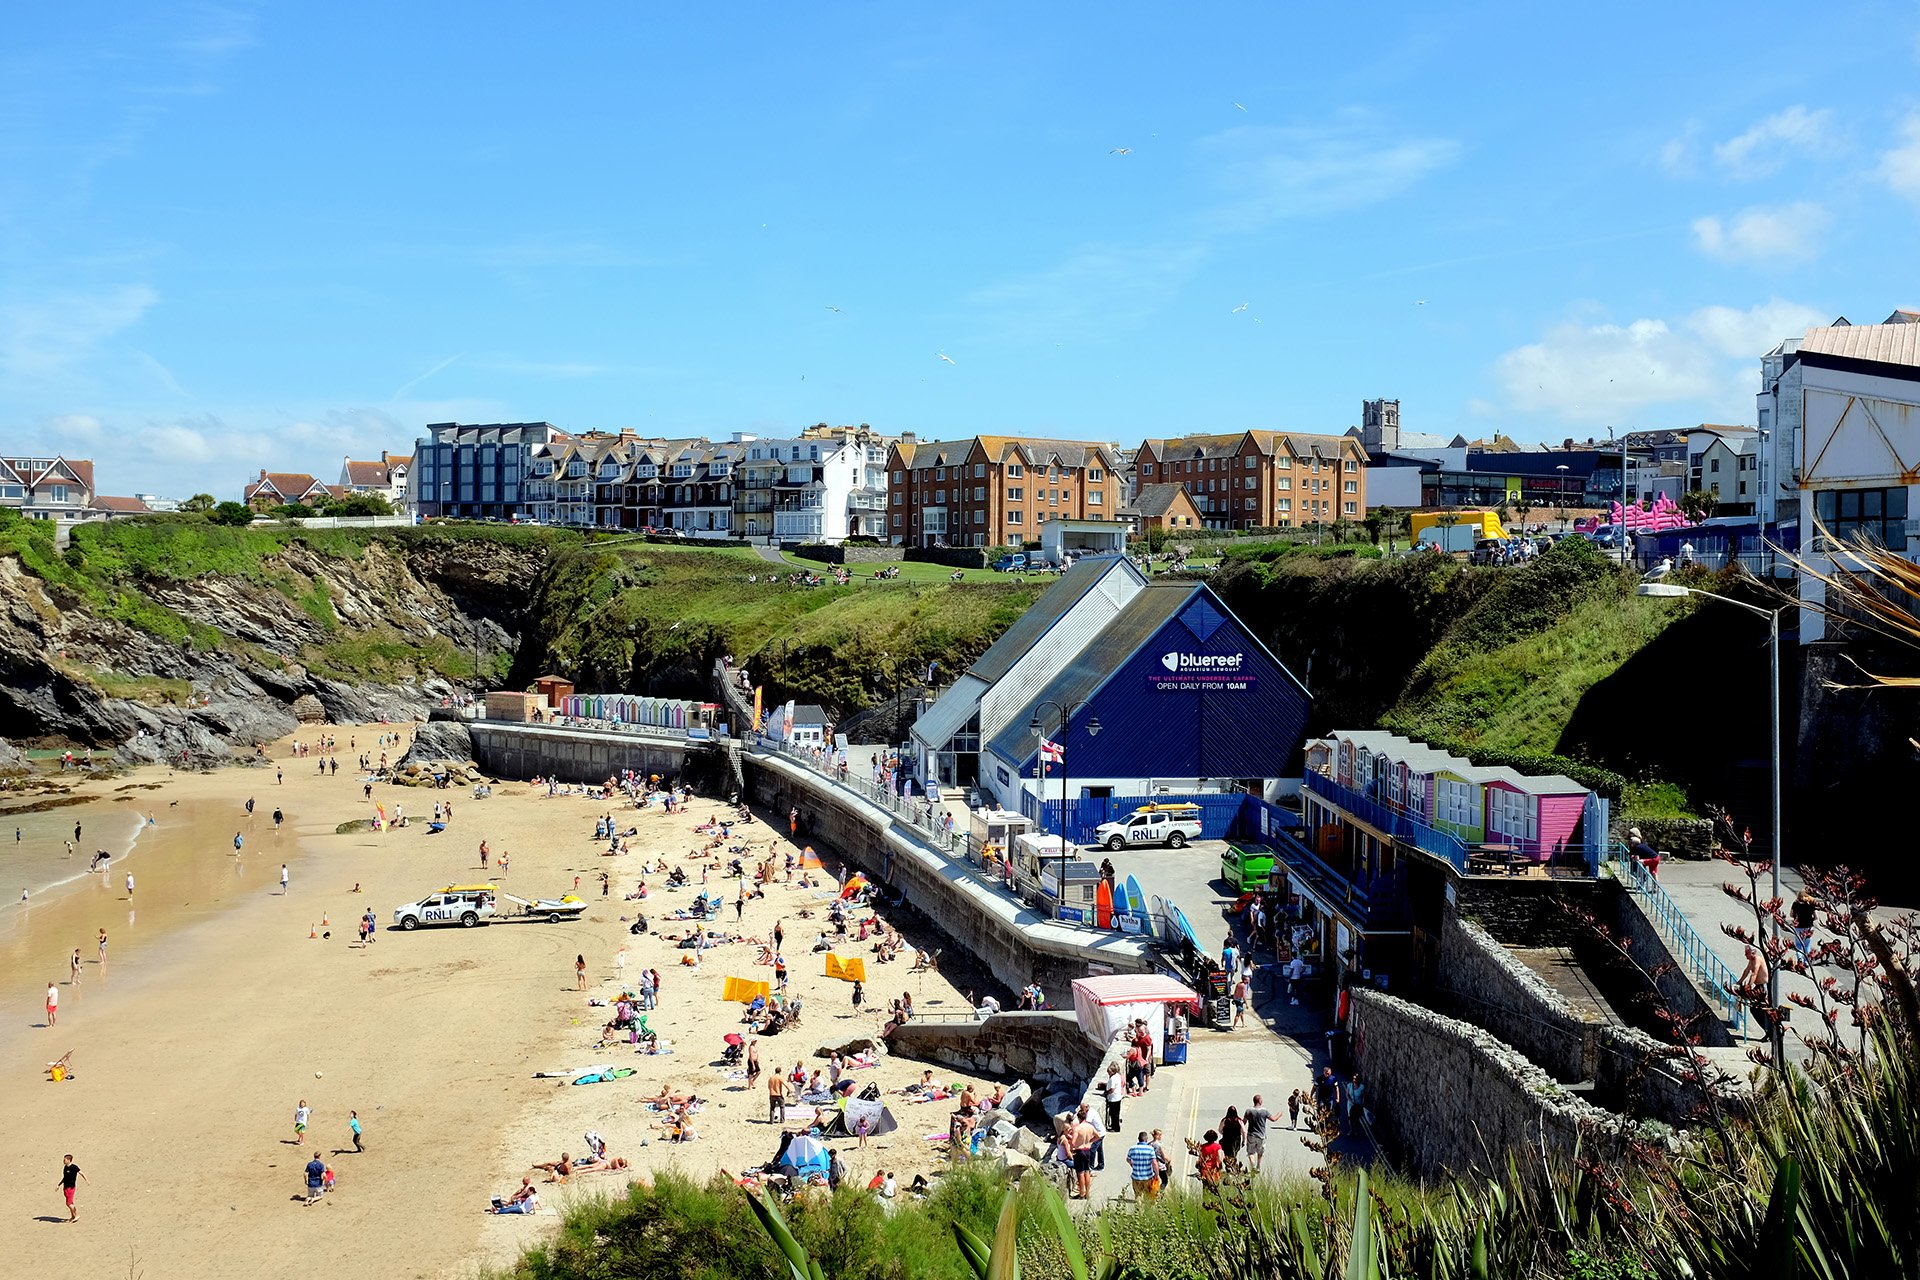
216,1013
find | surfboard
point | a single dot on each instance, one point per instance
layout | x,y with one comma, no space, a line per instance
1157,920
1180,919
1103,905
1136,901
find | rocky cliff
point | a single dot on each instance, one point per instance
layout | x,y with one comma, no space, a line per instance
187,640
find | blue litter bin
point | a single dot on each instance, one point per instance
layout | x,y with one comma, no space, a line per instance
1174,1055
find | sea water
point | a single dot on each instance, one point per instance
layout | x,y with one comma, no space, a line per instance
33,846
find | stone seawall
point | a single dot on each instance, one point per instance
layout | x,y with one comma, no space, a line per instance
1046,1046
1014,943
1488,986
1452,1099
573,755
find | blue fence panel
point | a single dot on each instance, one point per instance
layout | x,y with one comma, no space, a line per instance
1441,844
1219,813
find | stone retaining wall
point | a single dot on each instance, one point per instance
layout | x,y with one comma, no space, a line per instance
1638,1075
827,553
952,557
1483,983
572,755
1009,942
1680,837
1452,1099
1046,1046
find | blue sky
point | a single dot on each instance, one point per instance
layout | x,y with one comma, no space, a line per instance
236,236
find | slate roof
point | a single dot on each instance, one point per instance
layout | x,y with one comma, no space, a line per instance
1155,499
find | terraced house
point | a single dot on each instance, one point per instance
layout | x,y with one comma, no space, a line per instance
995,490
1261,479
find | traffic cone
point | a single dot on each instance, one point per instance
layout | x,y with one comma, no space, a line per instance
323,921
312,932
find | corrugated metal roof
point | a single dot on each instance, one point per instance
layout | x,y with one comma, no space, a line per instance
1878,343
1053,604
949,712
1061,644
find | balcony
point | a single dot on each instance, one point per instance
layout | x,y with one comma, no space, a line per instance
1391,822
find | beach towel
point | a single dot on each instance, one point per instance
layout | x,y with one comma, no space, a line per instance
601,1077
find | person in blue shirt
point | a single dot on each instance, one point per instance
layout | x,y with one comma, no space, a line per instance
1143,1163
316,1178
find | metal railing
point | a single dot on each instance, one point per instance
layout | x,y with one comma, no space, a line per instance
1688,947
922,817
1400,826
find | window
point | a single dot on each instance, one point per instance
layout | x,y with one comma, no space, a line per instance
1352,486
979,471
940,495
899,477
1283,464
1249,481
1349,508
1351,465
1095,498
1146,468
1249,504
1455,803
896,520
899,498
1714,466
1282,484
1015,471
1880,514
1095,475
1283,504
939,473
1250,462
1016,494
1014,517
979,493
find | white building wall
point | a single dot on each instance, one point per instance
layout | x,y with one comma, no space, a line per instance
1856,431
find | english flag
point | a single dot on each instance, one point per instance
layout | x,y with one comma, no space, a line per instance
1052,751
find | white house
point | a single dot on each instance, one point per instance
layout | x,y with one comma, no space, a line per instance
826,485
386,477
1859,443
1724,461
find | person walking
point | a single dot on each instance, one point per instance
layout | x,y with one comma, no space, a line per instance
283,879
753,1062
53,1003
859,994
129,886
776,1099
1293,1109
1233,1133
1257,1118
1143,1166
353,1125
301,1114
1242,993
580,972
73,969
103,951
70,1180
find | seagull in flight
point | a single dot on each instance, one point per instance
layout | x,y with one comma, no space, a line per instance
1121,151
949,359
1242,307
835,310
1238,107
1419,302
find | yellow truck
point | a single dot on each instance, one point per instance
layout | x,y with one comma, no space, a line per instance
1453,530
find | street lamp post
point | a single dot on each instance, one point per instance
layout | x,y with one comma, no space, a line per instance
1066,710
1672,590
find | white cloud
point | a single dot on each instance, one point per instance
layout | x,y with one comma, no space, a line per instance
1679,156
1271,172
1900,166
1604,373
48,333
1764,234
1763,148
81,428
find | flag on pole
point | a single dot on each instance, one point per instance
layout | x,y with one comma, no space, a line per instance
931,668
758,692
1051,750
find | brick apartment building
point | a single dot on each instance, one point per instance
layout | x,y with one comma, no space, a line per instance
995,490
1261,479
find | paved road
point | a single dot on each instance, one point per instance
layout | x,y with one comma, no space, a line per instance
1280,1048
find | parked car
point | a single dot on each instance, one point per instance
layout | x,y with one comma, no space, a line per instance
1169,824
1015,563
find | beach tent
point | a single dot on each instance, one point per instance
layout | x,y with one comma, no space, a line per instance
853,969
744,990
809,860
855,883
1107,1004
874,1113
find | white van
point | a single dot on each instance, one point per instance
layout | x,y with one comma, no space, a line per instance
464,905
1169,824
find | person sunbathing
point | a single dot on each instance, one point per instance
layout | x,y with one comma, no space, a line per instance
557,1170
525,1200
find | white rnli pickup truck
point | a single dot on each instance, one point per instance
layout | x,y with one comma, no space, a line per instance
1169,824
464,905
